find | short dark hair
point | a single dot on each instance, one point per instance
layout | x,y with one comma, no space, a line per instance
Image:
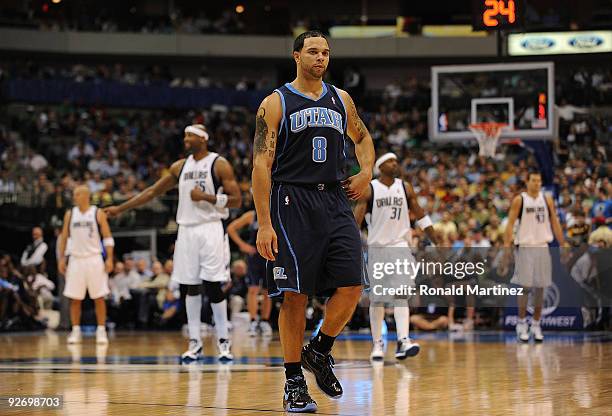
533,172
298,43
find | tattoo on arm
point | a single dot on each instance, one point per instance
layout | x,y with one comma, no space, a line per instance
261,131
358,123
263,143
272,144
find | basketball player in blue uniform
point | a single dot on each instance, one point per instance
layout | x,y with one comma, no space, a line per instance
307,231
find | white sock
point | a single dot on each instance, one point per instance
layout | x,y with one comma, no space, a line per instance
377,314
220,316
535,323
522,321
76,328
193,304
401,312
101,327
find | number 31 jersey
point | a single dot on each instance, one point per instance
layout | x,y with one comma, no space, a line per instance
388,218
311,137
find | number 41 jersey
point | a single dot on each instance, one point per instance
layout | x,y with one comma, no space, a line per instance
388,219
310,148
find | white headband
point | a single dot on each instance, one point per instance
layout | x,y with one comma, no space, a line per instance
383,159
197,131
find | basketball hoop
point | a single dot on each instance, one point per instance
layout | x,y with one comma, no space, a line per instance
487,134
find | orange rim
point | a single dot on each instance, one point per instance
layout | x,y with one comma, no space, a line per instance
490,128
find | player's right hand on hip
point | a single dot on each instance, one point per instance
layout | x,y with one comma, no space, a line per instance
112,211
356,185
267,243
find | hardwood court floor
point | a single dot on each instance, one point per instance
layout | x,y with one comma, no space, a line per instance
485,373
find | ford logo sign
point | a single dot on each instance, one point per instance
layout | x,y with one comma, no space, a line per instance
586,42
537,44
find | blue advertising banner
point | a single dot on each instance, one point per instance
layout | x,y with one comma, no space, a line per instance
115,94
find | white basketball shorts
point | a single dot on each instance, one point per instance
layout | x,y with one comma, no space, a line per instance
379,261
86,274
201,252
532,267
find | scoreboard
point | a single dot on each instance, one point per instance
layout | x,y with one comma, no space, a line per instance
497,14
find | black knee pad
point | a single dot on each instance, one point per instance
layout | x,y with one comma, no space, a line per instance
213,291
193,290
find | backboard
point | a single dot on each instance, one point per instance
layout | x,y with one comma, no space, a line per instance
520,95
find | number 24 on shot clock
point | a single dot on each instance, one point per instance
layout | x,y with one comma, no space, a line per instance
496,14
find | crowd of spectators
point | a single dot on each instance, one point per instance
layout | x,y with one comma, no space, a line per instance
46,150
142,296
59,18
152,75
252,18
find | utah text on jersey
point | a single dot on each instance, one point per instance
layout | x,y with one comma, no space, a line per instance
316,117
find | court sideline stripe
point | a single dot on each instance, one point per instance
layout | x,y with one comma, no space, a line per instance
201,407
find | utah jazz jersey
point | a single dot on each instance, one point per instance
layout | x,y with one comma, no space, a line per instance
310,148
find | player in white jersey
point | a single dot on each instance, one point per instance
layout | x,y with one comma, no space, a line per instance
207,188
538,221
87,227
386,206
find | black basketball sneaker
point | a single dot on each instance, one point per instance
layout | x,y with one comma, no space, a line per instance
321,366
296,398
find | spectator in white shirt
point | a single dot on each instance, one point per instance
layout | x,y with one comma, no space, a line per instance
96,163
566,111
81,150
130,270
34,254
110,167
35,161
122,282
95,183
478,240
41,286
142,268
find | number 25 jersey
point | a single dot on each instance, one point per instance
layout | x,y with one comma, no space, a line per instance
311,137
199,173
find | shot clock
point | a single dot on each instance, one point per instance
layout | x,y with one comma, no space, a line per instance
497,14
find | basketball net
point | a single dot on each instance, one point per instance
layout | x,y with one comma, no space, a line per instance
487,134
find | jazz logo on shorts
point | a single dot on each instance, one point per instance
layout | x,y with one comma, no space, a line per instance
279,273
